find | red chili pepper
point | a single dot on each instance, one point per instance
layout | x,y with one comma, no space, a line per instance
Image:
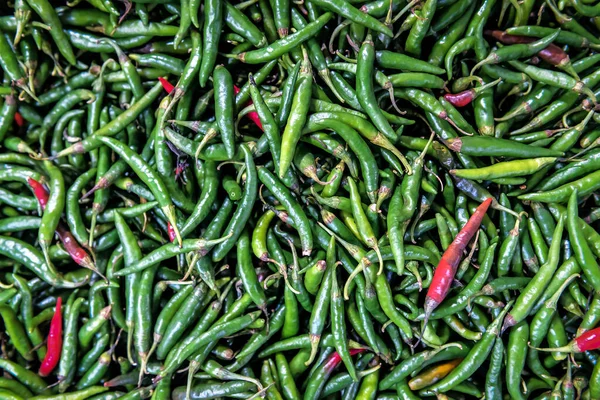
446,269
461,99
19,119
54,342
40,192
252,115
467,96
334,359
587,341
355,351
166,84
171,231
77,253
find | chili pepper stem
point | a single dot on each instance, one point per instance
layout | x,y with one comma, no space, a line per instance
95,212
190,379
191,265
497,206
100,185
356,271
177,94
581,88
449,120
261,393
155,343
378,251
46,251
143,363
211,134
570,348
568,68
553,301
283,273
360,268
382,141
335,34
393,101
325,75
313,175
489,59
429,306
26,89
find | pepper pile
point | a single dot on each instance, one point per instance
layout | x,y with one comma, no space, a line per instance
336,199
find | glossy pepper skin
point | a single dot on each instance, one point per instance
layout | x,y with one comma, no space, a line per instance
444,273
54,342
256,164
587,341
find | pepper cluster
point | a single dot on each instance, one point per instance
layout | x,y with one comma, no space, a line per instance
337,199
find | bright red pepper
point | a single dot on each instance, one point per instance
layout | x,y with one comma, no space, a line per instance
334,359
54,341
587,341
19,119
77,253
252,115
465,97
446,269
461,99
40,192
166,84
171,232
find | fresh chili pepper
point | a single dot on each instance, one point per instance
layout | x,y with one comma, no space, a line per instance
551,53
166,85
283,45
252,115
516,51
532,291
465,98
444,274
338,191
587,341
